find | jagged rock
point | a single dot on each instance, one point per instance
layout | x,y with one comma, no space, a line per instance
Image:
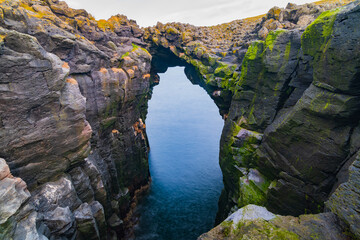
44,114
60,221
265,90
96,182
13,193
17,216
344,202
37,90
315,123
82,185
305,20
263,33
99,215
85,222
60,193
254,222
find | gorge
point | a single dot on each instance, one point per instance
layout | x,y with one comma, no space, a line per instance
74,96
186,177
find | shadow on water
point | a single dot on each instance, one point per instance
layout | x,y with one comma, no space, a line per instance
184,128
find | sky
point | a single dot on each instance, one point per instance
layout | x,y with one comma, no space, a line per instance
196,12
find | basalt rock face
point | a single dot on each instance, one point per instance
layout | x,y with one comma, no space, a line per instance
216,53
73,95
288,136
288,87
18,217
73,99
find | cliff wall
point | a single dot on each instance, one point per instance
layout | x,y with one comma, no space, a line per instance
72,104
287,86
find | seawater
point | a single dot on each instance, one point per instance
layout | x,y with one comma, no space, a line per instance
184,128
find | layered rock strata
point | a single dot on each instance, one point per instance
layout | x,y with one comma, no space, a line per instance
73,95
73,100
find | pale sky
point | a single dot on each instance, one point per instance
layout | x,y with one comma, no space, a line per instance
196,12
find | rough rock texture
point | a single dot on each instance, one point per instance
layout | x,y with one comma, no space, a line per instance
73,93
73,101
344,202
254,222
216,53
17,216
289,92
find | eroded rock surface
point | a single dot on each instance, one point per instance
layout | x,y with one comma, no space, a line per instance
73,91
17,216
254,222
73,102
287,85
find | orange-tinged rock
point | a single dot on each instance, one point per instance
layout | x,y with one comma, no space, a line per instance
72,81
66,65
117,70
146,76
103,70
131,73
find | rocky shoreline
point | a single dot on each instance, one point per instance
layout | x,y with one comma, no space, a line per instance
73,105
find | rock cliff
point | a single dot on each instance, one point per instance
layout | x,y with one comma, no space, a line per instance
73,103
287,85
73,95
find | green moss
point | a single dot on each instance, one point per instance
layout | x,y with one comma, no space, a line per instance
226,227
261,229
227,162
134,46
135,49
287,51
228,75
224,70
199,66
313,40
125,54
250,193
212,59
254,52
271,38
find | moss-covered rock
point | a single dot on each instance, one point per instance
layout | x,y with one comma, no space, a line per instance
344,202
254,222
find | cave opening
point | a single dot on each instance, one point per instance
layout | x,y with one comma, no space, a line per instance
184,128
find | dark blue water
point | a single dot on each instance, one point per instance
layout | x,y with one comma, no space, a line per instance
184,128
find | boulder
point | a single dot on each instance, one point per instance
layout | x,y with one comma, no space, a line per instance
255,222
